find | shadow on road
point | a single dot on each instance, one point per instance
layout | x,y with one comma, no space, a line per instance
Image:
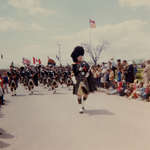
20,95
39,94
3,145
60,93
4,135
94,112
1,115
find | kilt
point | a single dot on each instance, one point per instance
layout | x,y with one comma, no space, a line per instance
81,88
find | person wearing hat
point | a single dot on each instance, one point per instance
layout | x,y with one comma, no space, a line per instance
80,69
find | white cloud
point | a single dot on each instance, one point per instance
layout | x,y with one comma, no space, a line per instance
128,39
7,24
33,7
135,3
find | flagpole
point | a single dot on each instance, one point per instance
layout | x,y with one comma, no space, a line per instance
92,25
59,53
90,40
90,37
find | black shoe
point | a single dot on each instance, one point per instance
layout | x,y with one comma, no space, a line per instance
81,111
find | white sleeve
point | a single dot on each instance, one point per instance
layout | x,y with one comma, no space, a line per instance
74,80
87,74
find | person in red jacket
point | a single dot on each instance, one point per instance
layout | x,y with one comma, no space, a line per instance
1,81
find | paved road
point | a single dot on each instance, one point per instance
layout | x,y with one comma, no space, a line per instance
51,122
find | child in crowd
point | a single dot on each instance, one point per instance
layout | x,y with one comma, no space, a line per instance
134,94
141,90
129,90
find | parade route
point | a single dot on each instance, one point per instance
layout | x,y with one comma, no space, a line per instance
44,121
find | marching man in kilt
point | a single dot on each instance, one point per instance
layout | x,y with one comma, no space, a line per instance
80,69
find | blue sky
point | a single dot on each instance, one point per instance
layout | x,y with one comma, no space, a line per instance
34,27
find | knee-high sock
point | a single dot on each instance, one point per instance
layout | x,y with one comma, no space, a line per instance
79,101
84,103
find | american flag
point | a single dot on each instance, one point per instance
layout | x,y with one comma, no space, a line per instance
92,23
26,61
34,60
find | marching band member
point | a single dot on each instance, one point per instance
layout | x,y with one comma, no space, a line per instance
81,72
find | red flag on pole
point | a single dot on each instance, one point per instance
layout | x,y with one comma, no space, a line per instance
39,61
51,61
34,60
